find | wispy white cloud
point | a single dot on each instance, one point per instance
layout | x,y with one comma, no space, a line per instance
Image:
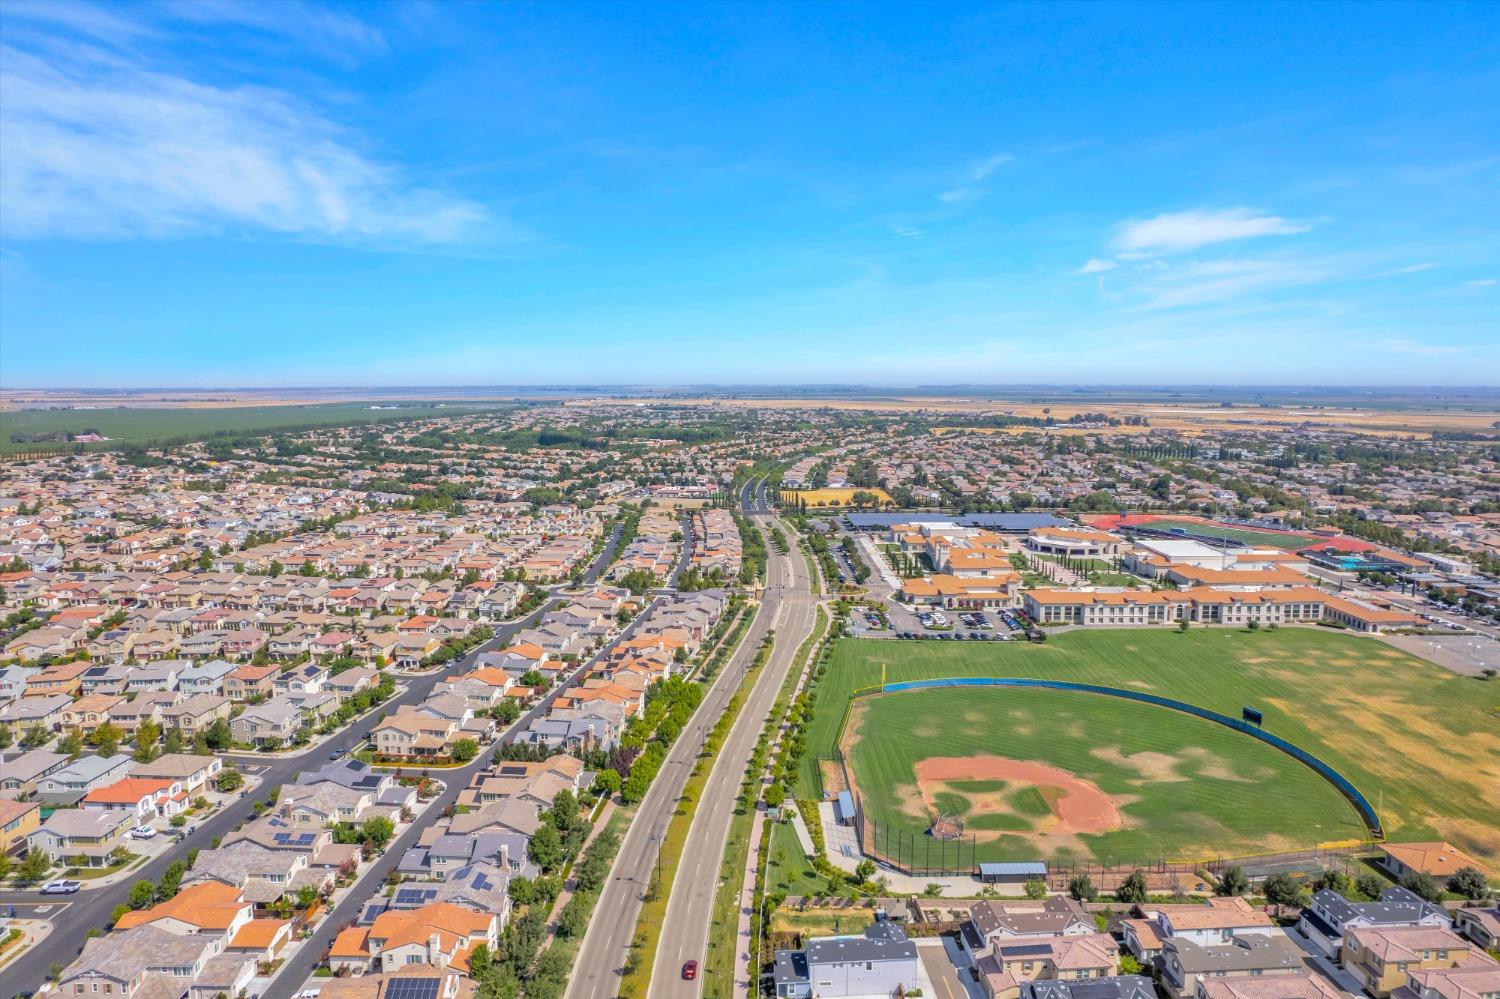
906,231
984,168
105,146
1480,284
958,195
1224,280
1097,266
1406,346
1411,269
1180,232
86,19
327,30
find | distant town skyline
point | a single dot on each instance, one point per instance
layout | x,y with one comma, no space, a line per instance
242,195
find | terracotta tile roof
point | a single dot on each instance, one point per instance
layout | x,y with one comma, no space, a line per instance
208,905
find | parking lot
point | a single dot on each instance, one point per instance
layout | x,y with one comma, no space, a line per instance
953,624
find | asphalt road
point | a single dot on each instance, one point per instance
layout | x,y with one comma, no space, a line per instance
606,945
92,908
690,902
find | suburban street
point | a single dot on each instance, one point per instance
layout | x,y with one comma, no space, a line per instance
92,908
606,945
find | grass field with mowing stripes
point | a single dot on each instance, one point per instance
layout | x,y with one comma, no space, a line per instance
1421,742
1186,788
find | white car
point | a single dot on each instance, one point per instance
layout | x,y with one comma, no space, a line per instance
143,832
61,887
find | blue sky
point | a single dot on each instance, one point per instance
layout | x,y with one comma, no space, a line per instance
263,194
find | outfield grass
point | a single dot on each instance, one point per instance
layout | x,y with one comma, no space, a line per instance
1421,742
1186,788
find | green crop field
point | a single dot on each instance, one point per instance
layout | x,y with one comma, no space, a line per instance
139,426
1421,742
1250,536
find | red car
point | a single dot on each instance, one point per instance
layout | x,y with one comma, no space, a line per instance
689,970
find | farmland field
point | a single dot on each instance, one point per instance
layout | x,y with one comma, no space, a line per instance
139,426
1421,742
834,497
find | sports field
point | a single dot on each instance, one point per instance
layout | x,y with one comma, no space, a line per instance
1248,535
1421,742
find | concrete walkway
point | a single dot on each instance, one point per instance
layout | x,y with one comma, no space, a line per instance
844,853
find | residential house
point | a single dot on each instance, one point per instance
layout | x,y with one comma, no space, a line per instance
881,962
248,682
1183,963
1481,925
1475,980
350,682
261,875
1115,987
434,983
1009,962
197,713
90,711
276,720
22,774
205,678
440,934
1380,959
307,678
1055,917
77,833
68,784
105,678
1437,860
25,712
129,715
18,820
411,732
1329,915
143,798
193,772
160,676
148,962
1305,985
1221,920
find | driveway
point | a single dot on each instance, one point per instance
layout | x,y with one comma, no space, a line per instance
942,959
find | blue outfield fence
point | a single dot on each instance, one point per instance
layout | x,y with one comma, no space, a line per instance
1348,790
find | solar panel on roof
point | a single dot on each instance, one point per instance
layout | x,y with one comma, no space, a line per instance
482,882
1024,949
411,988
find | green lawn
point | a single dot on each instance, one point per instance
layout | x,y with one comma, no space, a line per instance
1187,789
1250,536
1421,742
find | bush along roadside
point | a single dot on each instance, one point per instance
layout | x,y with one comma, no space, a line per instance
643,944
781,736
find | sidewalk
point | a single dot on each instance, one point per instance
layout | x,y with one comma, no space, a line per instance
33,931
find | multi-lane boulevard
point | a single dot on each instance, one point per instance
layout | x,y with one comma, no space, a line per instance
786,607
91,909
684,935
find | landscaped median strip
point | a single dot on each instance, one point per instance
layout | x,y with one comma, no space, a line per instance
653,914
718,978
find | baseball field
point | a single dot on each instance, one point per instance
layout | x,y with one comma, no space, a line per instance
1053,773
